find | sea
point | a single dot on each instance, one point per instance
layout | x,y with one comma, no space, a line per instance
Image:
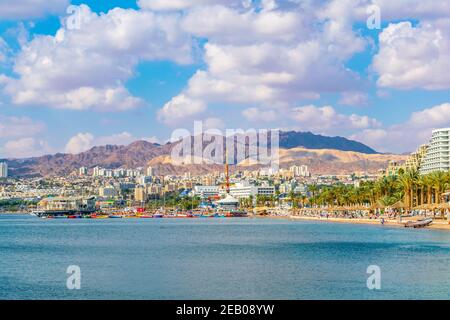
219,258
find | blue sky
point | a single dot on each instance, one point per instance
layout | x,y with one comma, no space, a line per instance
117,71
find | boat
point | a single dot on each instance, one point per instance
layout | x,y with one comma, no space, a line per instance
158,215
239,214
115,216
58,217
422,223
130,216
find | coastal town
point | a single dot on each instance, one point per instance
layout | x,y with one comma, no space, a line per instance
416,190
212,158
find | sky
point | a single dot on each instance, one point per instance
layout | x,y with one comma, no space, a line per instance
75,74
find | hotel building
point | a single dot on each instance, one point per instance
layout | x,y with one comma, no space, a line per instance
300,171
206,191
244,190
437,157
83,171
415,160
3,170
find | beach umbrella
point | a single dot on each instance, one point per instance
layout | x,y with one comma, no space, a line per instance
398,205
377,205
444,206
430,206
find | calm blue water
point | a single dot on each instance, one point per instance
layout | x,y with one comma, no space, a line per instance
218,259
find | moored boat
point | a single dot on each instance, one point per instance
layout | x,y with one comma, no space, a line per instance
419,223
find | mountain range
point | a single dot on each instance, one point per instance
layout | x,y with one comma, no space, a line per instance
323,154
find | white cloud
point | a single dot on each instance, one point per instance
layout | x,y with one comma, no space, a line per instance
25,147
256,114
25,9
213,123
354,99
407,136
19,126
79,143
169,5
179,109
327,120
86,67
414,57
271,57
356,10
403,9
248,27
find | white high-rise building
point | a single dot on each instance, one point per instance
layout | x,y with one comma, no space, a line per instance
437,157
300,171
3,170
150,172
83,171
96,171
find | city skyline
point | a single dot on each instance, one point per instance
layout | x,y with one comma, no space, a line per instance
112,73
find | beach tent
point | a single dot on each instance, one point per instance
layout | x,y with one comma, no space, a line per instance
444,206
377,205
398,205
429,206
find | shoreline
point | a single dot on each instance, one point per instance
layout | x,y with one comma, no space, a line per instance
443,225
436,225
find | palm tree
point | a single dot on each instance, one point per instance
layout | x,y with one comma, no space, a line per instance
313,189
407,181
440,183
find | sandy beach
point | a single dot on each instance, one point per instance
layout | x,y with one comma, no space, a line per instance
437,224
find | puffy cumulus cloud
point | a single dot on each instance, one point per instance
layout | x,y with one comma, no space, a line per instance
169,5
354,99
19,126
404,9
257,114
327,120
84,141
177,5
25,147
249,26
25,9
357,10
79,143
407,136
414,57
85,65
179,109
269,57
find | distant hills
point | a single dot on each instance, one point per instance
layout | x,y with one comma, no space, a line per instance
143,153
308,140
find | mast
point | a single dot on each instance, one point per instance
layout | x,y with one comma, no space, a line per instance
227,173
